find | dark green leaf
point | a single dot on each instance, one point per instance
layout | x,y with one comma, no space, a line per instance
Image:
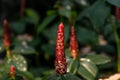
73,66
67,76
68,53
38,78
23,49
83,3
65,12
18,26
87,69
52,77
32,15
45,22
51,33
70,76
18,61
51,12
1,30
105,48
50,48
2,47
27,75
114,2
97,13
5,77
86,36
107,29
98,59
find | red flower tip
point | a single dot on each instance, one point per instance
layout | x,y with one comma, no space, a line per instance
117,13
73,43
61,25
12,71
60,62
6,34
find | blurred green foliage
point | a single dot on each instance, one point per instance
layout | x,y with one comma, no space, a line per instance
34,34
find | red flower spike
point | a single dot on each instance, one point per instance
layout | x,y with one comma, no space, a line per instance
6,34
73,43
117,13
60,62
12,71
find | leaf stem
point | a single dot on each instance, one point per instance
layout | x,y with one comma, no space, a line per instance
117,43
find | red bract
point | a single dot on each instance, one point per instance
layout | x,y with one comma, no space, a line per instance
6,34
117,13
60,62
12,71
73,43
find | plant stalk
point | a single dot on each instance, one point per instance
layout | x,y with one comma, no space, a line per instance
117,43
7,52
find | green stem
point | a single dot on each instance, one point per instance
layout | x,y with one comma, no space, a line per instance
117,43
7,52
37,59
13,78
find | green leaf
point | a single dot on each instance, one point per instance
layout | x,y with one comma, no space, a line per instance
5,77
3,70
27,75
32,15
82,3
107,29
65,12
70,76
105,48
98,59
49,48
1,30
38,78
73,66
2,47
51,12
52,77
61,77
87,69
18,61
68,52
97,13
18,26
45,22
86,36
52,32
23,49
67,76
114,2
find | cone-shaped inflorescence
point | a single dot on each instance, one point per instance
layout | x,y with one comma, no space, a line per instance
117,13
73,43
6,37
6,34
60,62
12,72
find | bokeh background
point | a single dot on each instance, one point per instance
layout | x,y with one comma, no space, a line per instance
33,23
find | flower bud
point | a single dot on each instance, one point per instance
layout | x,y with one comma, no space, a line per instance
60,61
